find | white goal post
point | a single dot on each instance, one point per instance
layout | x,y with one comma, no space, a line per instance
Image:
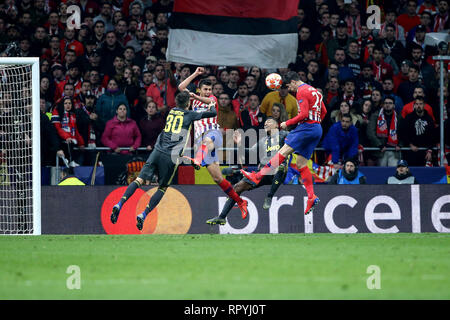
20,147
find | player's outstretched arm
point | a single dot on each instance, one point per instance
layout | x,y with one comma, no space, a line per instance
183,85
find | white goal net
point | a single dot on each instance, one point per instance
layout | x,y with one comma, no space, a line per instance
19,146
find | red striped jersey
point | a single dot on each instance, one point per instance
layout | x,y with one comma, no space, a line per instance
311,108
206,124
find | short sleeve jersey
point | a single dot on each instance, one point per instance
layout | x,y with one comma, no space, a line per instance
206,124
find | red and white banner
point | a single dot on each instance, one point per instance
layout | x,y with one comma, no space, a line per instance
234,33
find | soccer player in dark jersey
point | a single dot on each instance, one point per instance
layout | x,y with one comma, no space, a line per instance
169,146
303,139
271,143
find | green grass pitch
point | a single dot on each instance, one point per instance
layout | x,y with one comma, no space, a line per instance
226,267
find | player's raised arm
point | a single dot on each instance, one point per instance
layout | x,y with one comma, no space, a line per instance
200,98
183,85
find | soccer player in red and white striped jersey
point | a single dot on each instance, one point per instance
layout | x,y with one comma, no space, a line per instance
208,137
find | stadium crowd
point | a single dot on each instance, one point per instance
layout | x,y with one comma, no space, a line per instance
108,83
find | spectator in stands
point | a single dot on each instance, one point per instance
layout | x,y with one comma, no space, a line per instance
151,126
340,59
108,103
341,141
441,21
138,111
331,90
426,71
402,175
406,88
217,89
108,51
138,37
161,41
313,74
87,120
163,90
241,102
282,96
366,82
377,99
388,90
53,25
402,76
344,108
341,40
69,42
418,131
363,113
252,117
416,37
105,16
99,33
409,107
380,68
53,52
73,77
50,141
226,117
57,72
39,41
121,30
129,55
44,89
382,132
391,46
390,17
410,18
65,122
348,174
232,85
279,113
39,13
354,60
121,132
129,84
250,81
348,94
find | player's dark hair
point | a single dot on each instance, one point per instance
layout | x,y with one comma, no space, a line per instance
204,82
291,76
182,100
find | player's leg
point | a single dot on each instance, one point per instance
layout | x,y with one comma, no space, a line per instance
311,134
225,185
277,181
239,187
132,187
273,164
154,201
206,146
166,171
145,175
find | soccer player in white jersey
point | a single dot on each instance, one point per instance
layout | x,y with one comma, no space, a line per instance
208,137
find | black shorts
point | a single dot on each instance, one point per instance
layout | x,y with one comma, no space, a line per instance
160,164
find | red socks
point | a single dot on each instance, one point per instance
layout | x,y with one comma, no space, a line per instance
307,181
201,153
272,164
226,186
